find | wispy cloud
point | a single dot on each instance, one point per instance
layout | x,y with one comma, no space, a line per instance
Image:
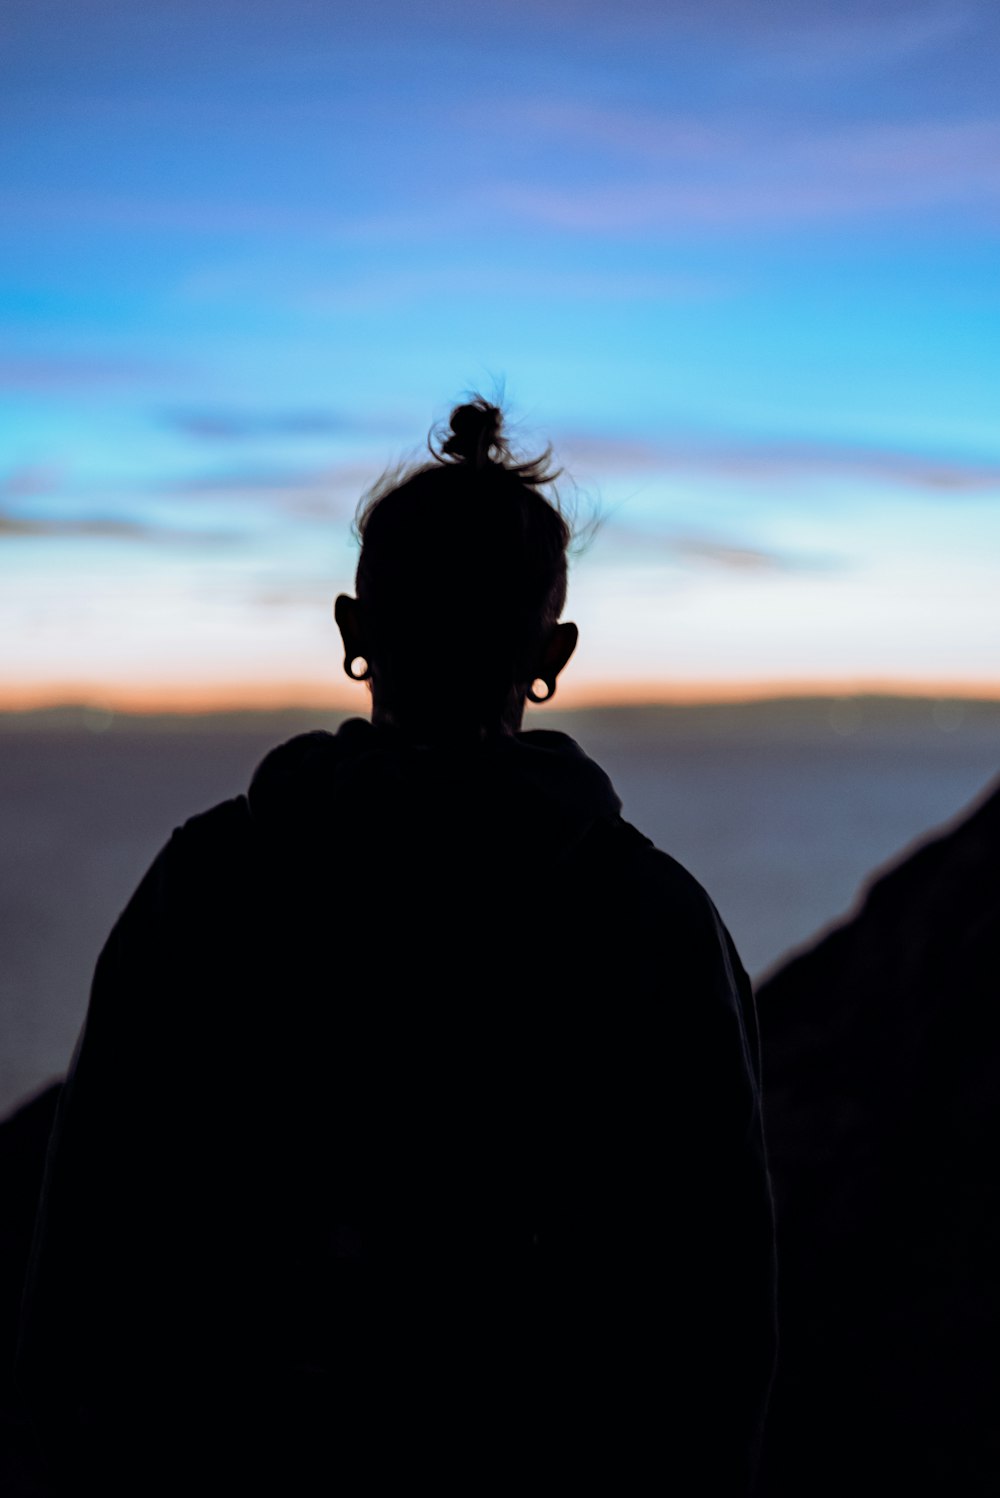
593,454
602,456
669,171
621,171
75,374
735,558
148,214
827,38
29,481
690,548
295,499
106,528
237,426
305,491
818,39
240,482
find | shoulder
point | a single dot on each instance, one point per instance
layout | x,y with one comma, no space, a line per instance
200,864
219,825
289,759
650,878
667,922
219,835
304,773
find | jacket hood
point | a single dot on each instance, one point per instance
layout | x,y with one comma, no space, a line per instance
526,794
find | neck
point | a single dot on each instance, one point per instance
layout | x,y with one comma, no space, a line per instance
446,723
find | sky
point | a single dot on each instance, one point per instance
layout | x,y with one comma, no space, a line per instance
737,262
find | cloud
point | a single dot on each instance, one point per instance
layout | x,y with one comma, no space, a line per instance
301,592
674,172
29,481
594,454
105,528
817,39
304,491
735,558
850,32
240,482
598,455
928,473
641,540
155,215
44,374
238,426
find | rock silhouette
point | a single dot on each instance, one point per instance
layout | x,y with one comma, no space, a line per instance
881,1068
24,1137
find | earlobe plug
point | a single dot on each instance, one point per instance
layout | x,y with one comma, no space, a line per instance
548,689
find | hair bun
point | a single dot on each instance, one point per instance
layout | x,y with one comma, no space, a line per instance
476,429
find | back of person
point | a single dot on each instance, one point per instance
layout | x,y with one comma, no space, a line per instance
414,1135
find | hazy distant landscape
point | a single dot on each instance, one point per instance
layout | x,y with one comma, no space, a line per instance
782,809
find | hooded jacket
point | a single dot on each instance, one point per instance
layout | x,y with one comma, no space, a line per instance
414,1126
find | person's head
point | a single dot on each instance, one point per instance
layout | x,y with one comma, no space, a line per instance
460,584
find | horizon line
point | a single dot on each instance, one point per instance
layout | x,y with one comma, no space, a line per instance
182,700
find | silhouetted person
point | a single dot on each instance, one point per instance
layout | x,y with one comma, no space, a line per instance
414,1134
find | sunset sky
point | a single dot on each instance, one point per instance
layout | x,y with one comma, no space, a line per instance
737,261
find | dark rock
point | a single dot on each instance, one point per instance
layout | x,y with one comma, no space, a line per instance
882,1086
24,1137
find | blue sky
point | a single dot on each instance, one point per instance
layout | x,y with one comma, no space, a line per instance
739,262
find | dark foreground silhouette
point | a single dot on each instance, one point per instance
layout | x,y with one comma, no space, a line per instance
882,1048
478,1195
882,1087
414,1136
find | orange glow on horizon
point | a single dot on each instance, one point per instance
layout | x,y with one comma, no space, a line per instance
325,696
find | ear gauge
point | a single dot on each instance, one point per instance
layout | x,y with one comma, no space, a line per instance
357,668
548,689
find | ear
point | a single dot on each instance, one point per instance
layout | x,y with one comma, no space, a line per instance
557,648
350,621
